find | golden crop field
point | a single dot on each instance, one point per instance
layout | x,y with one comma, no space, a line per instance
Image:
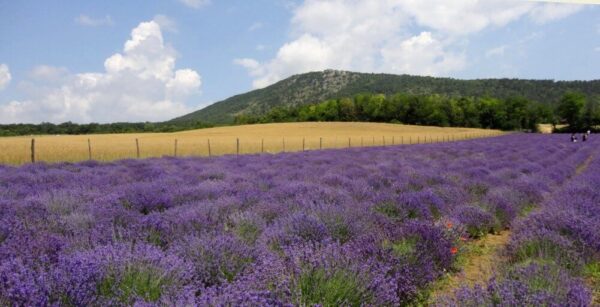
547,128
268,138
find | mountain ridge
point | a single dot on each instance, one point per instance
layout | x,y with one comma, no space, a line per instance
316,86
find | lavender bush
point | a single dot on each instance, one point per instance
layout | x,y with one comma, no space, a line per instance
552,250
368,226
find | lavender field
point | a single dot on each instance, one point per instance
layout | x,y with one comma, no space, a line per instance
364,226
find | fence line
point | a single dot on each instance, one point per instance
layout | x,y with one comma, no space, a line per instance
241,147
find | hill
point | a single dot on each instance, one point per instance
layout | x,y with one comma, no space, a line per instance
315,87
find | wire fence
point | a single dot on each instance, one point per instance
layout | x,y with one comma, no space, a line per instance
53,149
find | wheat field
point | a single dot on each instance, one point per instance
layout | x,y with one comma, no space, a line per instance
268,138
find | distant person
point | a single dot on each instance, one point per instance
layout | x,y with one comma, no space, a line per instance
573,138
588,132
584,137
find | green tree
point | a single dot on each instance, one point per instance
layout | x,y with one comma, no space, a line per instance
570,109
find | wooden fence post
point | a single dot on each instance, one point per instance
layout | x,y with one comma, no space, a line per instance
402,140
418,139
208,142
237,146
283,144
383,140
137,148
302,144
393,140
262,145
89,150
32,150
320,142
175,149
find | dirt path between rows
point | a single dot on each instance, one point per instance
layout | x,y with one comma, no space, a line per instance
482,260
485,257
583,166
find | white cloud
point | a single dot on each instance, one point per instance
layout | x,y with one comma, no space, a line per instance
46,73
166,23
86,20
553,11
138,84
464,16
195,4
5,76
247,63
364,35
421,55
497,51
255,26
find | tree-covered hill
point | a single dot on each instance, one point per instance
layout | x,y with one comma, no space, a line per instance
314,87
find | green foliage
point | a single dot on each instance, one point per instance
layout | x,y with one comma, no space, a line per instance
515,113
94,128
592,272
247,231
548,279
339,229
154,237
313,87
477,232
388,209
570,109
136,281
543,249
337,288
527,209
405,247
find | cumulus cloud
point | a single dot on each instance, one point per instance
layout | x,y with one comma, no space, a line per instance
138,84
553,11
195,4
47,73
380,36
86,20
5,76
421,55
166,23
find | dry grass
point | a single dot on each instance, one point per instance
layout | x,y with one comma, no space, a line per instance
482,259
547,128
107,147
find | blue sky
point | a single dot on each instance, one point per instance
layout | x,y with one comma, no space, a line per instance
106,61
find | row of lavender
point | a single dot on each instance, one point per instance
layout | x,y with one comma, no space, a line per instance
374,225
552,252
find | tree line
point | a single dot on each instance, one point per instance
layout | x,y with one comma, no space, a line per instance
95,128
514,113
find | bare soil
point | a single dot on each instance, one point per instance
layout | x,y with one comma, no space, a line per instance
481,261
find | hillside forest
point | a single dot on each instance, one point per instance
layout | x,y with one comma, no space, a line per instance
515,113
